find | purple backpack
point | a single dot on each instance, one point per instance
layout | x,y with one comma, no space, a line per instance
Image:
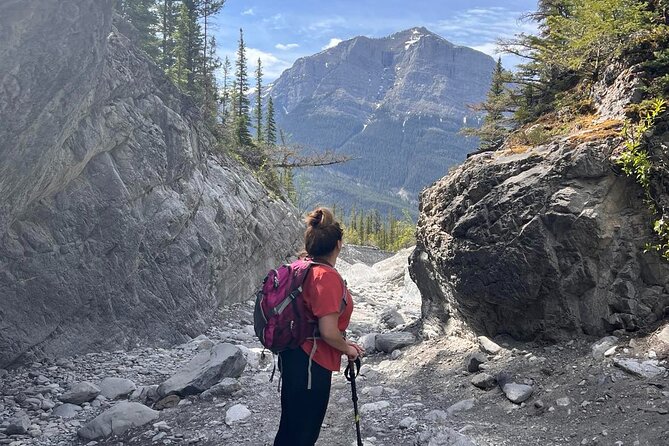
279,317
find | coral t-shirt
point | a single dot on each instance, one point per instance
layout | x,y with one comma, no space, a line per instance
323,290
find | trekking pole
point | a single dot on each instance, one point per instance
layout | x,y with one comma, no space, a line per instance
350,373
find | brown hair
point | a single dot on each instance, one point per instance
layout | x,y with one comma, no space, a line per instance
322,234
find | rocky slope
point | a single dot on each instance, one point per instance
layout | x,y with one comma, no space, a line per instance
439,391
117,228
396,104
543,242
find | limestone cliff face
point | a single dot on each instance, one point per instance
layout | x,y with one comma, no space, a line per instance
544,243
116,227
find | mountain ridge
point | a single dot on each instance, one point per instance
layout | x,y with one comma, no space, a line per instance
394,103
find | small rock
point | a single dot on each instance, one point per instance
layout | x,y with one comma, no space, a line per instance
391,318
162,426
517,393
374,407
387,342
373,391
80,393
117,420
167,403
66,411
396,354
236,414
408,423
563,402
18,424
484,381
600,347
610,351
489,346
473,361
460,406
646,369
160,435
450,437
112,388
436,415
368,342
226,387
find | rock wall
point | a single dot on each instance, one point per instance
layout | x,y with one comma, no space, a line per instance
540,244
116,226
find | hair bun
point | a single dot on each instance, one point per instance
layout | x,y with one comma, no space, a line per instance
319,217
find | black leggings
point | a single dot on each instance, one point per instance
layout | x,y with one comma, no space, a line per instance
302,410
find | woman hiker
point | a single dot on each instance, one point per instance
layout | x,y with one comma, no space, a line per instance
306,372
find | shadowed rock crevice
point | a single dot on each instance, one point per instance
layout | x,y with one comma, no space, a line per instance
118,226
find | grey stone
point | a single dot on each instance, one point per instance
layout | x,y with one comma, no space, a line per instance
517,393
541,222
387,342
396,354
145,394
236,414
563,402
66,411
118,419
112,388
450,437
460,406
226,387
80,393
374,407
119,189
408,423
489,346
206,369
641,369
484,381
600,347
391,318
18,424
437,416
473,361
168,402
368,342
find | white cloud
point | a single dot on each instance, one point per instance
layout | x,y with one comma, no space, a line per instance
249,11
272,65
286,47
489,48
332,43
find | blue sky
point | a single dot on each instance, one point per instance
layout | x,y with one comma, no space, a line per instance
281,31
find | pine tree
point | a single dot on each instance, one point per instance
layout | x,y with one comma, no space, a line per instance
168,13
142,15
206,9
225,94
258,110
189,50
211,100
270,126
243,137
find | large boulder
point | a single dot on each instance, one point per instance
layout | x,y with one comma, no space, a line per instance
542,243
207,368
120,220
117,420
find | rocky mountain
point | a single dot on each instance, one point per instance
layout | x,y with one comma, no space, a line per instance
395,104
545,241
117,226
